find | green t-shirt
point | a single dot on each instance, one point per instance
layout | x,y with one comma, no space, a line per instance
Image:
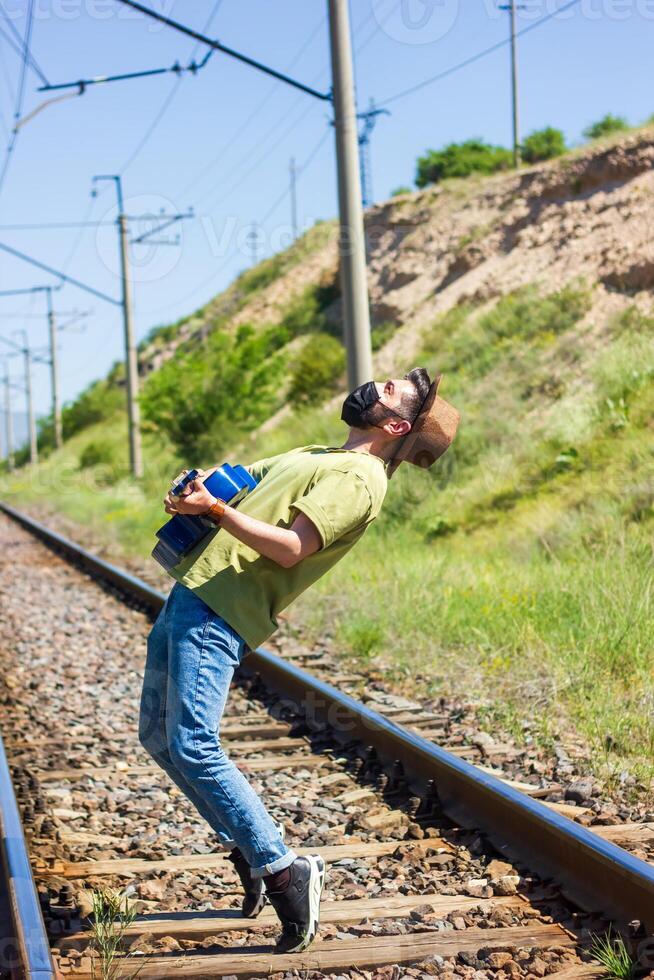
341,491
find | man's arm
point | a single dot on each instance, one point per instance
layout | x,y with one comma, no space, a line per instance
285,546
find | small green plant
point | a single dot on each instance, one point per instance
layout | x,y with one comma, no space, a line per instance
112,917
543,144
611,951
400,190
605,126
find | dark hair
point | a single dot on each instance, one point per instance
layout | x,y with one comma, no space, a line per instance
413,401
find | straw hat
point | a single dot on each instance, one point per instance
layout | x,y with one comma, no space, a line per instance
431,434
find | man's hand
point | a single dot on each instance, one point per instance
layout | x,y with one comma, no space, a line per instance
194,499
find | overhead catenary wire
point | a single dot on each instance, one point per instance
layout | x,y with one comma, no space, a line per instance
60,275
275,204
261,104
225,49
223,187
19,44
18,49
170,97
476,57
20,92
56,225
228,190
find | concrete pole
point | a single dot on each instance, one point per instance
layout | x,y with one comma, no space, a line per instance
54,372
29,400
514,86
354,286
9,429
131,358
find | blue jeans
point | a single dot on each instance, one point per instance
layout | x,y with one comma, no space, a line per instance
192,655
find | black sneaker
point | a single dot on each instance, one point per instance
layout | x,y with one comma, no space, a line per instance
298,906
255,897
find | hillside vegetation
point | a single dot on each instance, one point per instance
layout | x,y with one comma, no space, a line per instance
519,569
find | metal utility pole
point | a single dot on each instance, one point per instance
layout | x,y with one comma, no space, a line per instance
293,173
354,286
131,360
511,6
369,118
54,371
9,428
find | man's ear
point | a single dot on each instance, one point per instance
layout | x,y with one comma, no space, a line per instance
397,427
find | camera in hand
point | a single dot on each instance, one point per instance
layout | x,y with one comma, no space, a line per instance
184,531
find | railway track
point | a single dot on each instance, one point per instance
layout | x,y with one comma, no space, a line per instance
435,866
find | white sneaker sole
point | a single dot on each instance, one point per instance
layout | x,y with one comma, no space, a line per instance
316,885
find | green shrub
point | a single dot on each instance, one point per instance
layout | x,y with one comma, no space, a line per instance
96,454
605,126
203,398
316,368
543,144
400,190
461,160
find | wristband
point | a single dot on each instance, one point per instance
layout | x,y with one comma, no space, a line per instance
216,511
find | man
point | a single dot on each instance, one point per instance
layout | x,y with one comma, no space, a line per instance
310,507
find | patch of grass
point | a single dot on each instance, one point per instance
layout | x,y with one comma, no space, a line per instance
611,951
473,345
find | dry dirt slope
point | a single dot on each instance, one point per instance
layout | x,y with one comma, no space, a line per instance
588,214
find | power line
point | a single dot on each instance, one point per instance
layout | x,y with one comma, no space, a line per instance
60,275
209,167
478,56
19,51
274,129
168,101
224,49
275,204
265,157
33,62
20,93
47,225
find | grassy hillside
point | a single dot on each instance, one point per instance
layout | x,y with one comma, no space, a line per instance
519,569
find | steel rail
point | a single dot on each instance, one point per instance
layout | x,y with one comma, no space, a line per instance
596,874
26,951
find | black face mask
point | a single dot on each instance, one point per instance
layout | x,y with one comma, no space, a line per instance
359,401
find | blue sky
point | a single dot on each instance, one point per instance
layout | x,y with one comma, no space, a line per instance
222,144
